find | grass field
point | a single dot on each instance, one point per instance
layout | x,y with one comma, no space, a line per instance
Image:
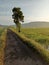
37,37
40,35
2,44
1,31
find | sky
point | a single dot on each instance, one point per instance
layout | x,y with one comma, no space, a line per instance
33,10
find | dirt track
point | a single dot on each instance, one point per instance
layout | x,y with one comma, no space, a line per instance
17,53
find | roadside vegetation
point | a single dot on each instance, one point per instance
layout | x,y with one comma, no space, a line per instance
37,38
2,44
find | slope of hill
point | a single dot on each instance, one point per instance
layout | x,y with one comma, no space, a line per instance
36,25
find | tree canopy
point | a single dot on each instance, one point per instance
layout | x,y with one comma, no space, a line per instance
17,14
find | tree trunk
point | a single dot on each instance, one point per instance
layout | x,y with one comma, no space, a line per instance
18,26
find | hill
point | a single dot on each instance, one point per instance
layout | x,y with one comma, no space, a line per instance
36,25
3,26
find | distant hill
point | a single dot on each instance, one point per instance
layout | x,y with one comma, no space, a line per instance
0,25
3,25
39,24
36,25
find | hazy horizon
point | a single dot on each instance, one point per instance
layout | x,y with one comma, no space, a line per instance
33,10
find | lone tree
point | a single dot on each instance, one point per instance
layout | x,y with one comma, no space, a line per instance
18,17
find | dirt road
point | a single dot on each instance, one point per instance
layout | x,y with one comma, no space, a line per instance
17,53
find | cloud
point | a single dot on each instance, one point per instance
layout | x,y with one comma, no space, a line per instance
31,19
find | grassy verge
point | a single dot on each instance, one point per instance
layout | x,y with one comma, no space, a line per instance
42,51
2,46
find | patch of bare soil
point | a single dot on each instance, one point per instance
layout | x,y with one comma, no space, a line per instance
18,53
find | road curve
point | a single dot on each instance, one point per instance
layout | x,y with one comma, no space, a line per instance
17,53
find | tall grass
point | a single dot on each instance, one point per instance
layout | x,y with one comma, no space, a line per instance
40,35
2,46
31,42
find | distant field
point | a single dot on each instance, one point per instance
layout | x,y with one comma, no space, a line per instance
1,30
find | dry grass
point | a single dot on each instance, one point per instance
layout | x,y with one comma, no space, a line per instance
3,40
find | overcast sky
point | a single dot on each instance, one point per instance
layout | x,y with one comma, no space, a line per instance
33,10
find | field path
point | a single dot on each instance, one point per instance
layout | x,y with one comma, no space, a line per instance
17,53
